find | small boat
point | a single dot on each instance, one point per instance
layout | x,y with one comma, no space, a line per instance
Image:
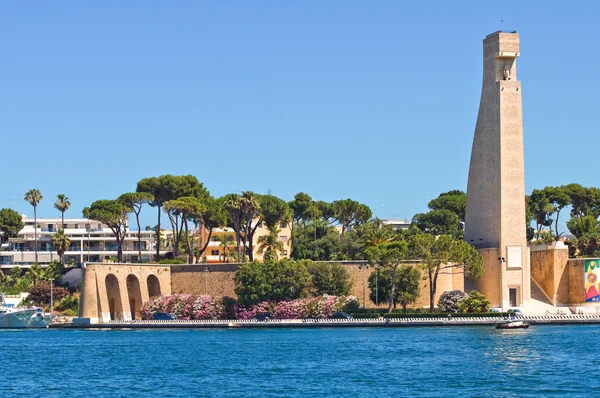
513,324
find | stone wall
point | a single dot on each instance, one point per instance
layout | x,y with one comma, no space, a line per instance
117,291
560,277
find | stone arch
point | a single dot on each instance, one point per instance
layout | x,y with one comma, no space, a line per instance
134,293
114,297
153,286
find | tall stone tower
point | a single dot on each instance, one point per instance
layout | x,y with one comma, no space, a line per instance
495,214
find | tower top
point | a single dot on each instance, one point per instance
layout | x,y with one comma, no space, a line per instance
502,44
501,31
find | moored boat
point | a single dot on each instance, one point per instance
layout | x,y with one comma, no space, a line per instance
22,317
513,324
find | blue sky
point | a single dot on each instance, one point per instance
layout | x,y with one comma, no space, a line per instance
375,101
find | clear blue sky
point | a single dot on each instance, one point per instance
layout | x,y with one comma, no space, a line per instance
375,101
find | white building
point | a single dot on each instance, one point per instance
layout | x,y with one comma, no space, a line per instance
397,224
91,241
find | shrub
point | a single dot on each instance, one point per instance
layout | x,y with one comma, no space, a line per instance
328,278
70,302
185,306
172,261
273,282
448,301
40,293
474,302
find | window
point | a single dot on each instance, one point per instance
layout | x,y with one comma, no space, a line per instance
260,225
88,227
99,226
76,226
283,224
214,253
283,238
285,252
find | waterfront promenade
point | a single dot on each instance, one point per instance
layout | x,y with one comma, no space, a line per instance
329,323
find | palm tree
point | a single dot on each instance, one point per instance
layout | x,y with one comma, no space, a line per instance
60,242
35,273
62,204
34,197
226,240
270,244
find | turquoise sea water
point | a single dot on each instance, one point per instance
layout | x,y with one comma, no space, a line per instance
429,362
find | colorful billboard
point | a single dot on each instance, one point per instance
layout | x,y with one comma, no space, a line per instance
592,291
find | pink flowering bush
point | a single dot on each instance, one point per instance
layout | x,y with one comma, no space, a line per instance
189,307
185,306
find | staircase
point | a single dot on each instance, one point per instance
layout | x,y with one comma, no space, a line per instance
540,304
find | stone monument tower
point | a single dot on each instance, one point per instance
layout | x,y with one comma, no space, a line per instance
495,214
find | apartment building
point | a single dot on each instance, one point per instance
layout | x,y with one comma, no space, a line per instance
91,241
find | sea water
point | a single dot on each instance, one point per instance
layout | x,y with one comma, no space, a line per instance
355,362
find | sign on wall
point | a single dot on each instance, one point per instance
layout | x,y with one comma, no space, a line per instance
592,291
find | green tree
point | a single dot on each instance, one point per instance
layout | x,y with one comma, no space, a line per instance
158,188
586,226
388,255
11,223
233,207
454,201
324,248
53,270
474,302
273,282
407,285
62,204
274,211
444,254
214,216
438,222
540,207
559,199
35,273
113,213
227,240
329,278
375,232
349,213
244,211
270,245
187,208
34,197
60,242
135,201
183,187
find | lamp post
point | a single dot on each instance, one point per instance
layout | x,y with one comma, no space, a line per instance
51,296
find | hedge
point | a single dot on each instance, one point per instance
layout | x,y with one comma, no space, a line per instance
448,315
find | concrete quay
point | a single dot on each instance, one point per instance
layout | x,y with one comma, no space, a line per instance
81,323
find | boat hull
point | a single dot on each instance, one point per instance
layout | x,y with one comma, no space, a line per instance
24,319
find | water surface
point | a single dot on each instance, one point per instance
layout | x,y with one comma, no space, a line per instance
428,362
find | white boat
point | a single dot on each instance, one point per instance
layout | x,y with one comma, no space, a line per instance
513,324
23,317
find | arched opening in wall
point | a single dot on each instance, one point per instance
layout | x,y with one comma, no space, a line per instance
135,296
153,286
114,297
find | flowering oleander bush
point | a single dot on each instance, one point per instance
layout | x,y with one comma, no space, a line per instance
188,307
185,306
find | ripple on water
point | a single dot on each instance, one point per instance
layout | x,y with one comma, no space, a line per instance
428,362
